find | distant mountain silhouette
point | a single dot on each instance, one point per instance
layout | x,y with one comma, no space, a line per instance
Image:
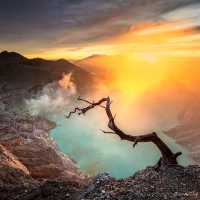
95,64
21,71
94,56
8,57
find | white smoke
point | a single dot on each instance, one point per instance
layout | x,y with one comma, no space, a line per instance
54,97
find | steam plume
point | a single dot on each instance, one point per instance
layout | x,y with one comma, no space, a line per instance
54,98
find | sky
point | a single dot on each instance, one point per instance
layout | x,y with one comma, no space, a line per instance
78,28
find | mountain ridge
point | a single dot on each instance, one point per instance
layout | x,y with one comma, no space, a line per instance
39,71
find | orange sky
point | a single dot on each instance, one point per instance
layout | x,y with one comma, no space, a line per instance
177,38
144,56
148,54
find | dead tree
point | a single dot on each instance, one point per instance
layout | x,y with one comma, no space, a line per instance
168,157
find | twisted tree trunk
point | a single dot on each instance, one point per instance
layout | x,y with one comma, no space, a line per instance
168,157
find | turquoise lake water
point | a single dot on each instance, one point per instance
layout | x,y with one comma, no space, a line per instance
95,152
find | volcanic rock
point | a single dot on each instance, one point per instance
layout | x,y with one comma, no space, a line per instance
170,183
28,139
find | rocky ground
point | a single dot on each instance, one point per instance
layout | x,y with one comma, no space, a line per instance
54,190
27,138
170,183
31,166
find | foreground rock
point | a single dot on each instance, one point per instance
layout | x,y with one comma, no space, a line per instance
170,183
48,190
12,171
27,138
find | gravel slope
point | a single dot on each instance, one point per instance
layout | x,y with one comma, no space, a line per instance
170,183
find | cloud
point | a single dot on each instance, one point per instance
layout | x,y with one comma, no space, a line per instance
50,23
191,12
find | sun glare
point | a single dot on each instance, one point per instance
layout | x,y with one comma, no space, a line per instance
148,54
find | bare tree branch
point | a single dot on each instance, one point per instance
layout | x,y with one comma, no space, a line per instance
167,155
110,132
80,99
85,109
